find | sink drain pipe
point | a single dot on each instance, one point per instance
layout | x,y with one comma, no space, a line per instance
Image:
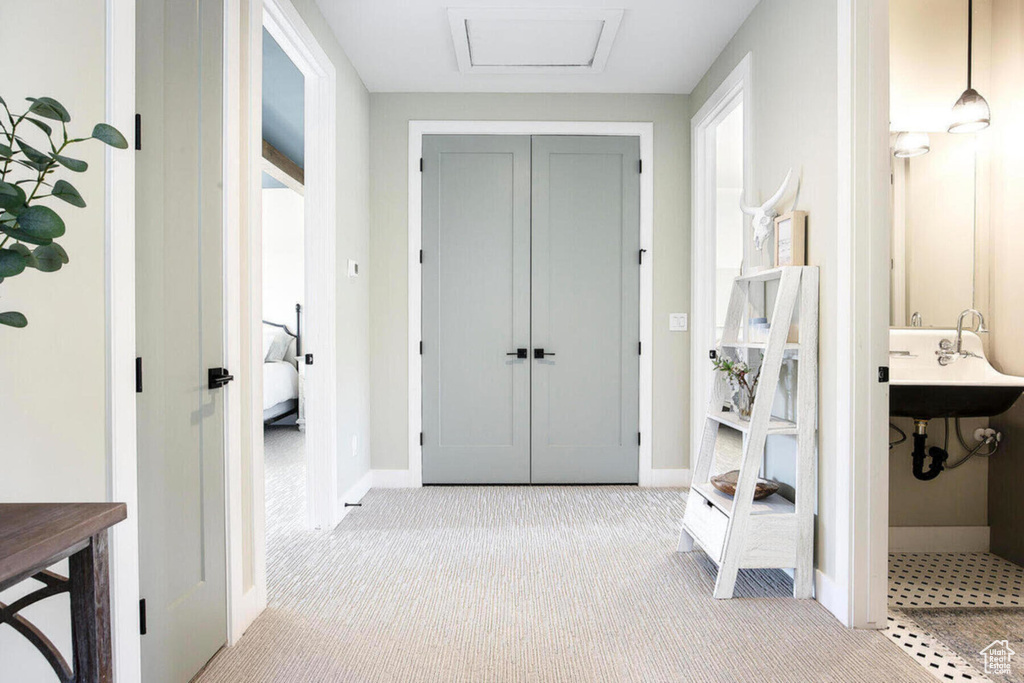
938,455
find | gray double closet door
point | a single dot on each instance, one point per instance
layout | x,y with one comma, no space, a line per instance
531,292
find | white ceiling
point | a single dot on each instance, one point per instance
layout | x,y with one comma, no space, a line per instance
662,46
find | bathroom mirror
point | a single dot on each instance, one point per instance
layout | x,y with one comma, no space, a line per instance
935,236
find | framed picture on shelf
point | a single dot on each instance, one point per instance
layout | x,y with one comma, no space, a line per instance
791,239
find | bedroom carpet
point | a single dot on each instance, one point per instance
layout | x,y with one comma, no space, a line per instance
510,584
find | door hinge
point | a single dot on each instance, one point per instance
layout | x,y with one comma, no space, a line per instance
142,617
639,438
642,251
421,438
883,374
421,164
640,166
309,359
421,347
421,256
712,354
640,348
138,375
138,132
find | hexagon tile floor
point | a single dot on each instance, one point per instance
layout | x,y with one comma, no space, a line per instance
941,580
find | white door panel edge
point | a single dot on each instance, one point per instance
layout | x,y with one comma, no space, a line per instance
862,255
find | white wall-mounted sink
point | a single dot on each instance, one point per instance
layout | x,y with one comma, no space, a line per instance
923,388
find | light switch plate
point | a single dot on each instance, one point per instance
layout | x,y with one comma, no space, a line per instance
353,268
677,322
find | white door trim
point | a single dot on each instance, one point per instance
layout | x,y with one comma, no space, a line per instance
729,95
642,130
119,292
863,223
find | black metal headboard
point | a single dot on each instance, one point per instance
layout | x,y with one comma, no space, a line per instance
297,334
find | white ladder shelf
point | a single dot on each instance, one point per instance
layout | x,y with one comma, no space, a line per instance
739,532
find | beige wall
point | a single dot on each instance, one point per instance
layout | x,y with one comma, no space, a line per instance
794,61
1006,470
389,135
955,498
52,373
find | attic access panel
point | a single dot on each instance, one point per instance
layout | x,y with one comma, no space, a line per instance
533,41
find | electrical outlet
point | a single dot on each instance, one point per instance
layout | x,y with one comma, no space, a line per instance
677,322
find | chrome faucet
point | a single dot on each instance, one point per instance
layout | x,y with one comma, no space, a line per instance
952,350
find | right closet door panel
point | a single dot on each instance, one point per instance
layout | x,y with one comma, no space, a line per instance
585,293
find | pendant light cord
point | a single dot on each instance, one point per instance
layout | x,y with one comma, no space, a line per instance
970,39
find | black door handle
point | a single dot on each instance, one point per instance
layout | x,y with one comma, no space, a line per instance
520,353
540,354
218,377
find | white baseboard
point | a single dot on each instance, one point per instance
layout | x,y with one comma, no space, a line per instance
831,596
402,479
353,495
393,479
670,478
939,539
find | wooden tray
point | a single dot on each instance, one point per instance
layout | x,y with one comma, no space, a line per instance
726,483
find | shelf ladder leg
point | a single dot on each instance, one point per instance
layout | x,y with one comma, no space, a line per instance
685,542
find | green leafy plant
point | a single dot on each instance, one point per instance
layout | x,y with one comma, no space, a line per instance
28,227
743,379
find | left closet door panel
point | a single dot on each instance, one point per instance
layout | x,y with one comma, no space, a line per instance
180,335
476,309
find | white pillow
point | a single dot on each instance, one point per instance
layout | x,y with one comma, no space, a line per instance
268,339
278,347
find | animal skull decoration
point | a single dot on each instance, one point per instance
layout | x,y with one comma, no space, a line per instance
763,217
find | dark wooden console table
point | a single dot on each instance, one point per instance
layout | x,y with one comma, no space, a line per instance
34,536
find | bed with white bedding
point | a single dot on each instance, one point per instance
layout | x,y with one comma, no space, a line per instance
282,383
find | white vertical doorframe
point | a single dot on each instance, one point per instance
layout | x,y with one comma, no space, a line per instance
862,308
119,293
241,604
732,92
642,130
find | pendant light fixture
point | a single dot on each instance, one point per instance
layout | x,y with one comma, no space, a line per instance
909,145
971,112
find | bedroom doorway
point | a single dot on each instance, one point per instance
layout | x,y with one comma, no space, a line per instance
283,285
722,143
291,257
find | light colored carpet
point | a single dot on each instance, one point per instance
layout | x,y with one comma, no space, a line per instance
512,584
